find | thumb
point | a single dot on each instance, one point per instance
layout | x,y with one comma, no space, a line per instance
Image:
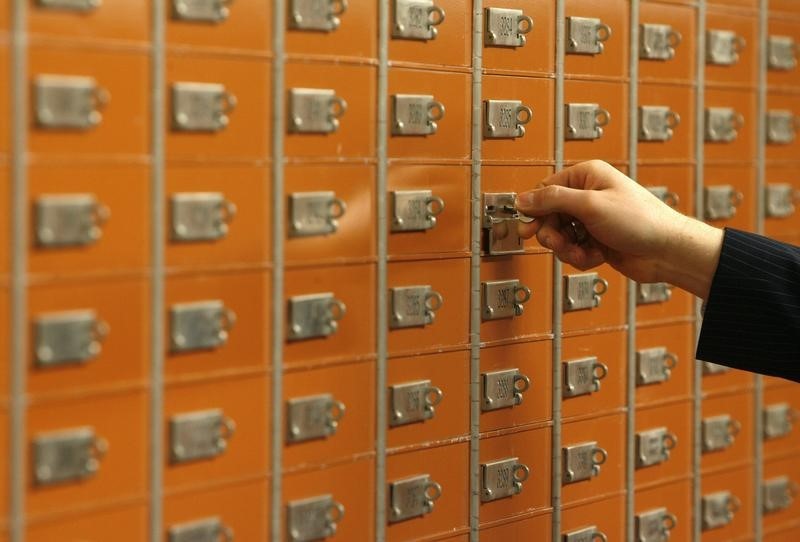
554,199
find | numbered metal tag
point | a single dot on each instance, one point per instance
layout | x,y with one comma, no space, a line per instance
723,47
654,525
719,509
781,127
415,210
722,124
72,5
414,306
778,420
68,455
582,461
779,493
782,53
200,216
503,389
714,368
721,201
654,365
314,213
205,11
649,293
503,298
586,35
199,325
318,15
313,417
505,119
68,337
413,402
416,19
585,121
657,122
500,217
653,446
582,376
412,497
587,534
203,530
314,315
201,107
665,194
69,220
779,200
502,478
658,41
68,102
719,432
416,114
315,110
313,519
506,27
583,291
199,435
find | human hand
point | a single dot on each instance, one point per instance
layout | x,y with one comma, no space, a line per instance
627,227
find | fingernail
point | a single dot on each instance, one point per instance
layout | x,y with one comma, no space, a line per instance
524,200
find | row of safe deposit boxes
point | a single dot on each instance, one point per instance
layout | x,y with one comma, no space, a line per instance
89,268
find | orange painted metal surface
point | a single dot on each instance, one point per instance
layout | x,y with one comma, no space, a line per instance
683,19
676,417
780,102
126,22
681,101
741,178
783,226
607,515
538,54
679,340
787,444
609,313
355,38
739,483
611,96
613,61
787,467
518,530
247,28
742,73
740,409
125,524
676,497
743,148
452,46
779,25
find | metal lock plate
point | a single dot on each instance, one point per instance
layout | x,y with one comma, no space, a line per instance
503,298
779,200
587,534
779,494
315,110
502,478
73,5
782,53
778,420
413,402
657,122
416,19
723,47
654,525
583,376
653,446
415,114
312,417
313,519
314,213
69,220
319,15
412,497
585,121
68,102
68,337
201,107
415,210
582,461
585,35
781,127
199,435
414,306
505,119
583,291
314,315
506,27
203,530
722,124
649,293
502,389
70,455
200,216
658,41
200,325
654,365
719,432
714,368
719,509
500,234
205,11
665,194
721,201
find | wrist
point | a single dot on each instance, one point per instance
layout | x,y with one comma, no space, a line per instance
691,255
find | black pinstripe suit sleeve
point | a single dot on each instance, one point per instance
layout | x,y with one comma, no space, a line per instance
752,316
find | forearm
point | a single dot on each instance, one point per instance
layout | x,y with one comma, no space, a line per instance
690,256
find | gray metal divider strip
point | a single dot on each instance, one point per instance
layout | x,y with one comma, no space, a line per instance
278,93
18,239
381,411
475,273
